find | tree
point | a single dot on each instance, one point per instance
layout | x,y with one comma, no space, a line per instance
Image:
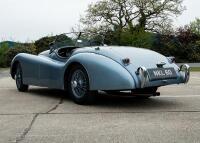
108,15
195,26
132,14
156,14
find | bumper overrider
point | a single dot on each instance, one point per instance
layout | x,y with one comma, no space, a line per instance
184,72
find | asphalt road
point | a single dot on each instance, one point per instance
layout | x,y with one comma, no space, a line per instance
49,116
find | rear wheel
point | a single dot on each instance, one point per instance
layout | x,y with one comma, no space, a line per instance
78,86
19,80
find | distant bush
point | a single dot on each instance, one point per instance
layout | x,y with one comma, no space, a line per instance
184,45
140,39
12,52
4,48
43,43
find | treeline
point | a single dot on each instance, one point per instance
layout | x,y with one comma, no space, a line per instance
8,50
145,23
7,53
184,44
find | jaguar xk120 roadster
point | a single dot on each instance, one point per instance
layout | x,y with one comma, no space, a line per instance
84,69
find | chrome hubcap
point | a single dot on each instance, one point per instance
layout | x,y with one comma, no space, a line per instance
79,83
74,84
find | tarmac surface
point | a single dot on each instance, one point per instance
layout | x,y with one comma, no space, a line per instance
42,115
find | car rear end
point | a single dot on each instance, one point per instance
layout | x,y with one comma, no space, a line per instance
148,68
151,69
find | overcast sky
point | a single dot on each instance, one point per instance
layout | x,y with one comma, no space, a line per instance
27,20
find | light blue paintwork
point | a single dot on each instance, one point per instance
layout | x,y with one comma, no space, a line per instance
104,66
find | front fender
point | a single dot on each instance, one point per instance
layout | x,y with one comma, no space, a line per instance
17,59
104,73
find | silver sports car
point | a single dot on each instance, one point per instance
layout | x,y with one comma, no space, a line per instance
85,69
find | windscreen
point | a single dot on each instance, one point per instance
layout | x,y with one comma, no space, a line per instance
77,39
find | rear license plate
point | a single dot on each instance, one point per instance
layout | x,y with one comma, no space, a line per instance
161,73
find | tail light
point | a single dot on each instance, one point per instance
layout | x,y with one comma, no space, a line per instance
126,61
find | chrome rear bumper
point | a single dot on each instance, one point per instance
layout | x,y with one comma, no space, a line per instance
142,74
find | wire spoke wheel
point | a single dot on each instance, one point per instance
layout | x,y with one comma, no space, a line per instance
19,79
78,86
79,83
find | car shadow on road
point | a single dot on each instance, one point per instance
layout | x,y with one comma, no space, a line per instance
108,101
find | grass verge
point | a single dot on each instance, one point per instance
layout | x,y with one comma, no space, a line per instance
195,69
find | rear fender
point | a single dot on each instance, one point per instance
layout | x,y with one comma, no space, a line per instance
104,73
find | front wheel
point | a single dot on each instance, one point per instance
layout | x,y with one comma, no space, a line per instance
19,80
78,86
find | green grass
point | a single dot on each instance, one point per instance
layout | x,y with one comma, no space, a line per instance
195,69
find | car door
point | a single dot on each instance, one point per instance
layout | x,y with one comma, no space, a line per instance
30,68
50,72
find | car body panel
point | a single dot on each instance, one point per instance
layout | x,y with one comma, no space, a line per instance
104,65
138,57
104,73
